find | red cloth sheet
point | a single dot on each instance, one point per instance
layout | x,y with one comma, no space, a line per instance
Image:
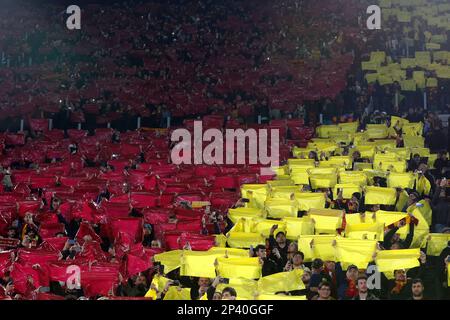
39,124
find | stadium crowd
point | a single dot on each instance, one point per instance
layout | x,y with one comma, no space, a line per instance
107,203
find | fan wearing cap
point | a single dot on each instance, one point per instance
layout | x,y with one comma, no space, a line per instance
278,246
347,287
400,288
318,275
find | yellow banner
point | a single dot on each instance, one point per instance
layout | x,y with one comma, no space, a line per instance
169,259
311,200
391,260
379,195
281,282
354,251
245,239
322,247
248,268
280,208
296,227
436,243
401,180
326,221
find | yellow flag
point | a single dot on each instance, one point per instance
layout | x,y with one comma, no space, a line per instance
408,85
279,183
258,193
349,127
159,282
408,63
248,268
348,189
379,56
169,259
319,181
425,212
245,239
353,177
326,220
324,131
412,141
311,200
423,186
355,251
369,230
448,274
402,201
263,226
221,240
298,226
392,166
284,192
432,82
377,131
300,175
177,293
413,129
400,153
198,264
279,208
236,214
391,260
380,195
280,170
230,252
246,289
437,243
322,247
283,281
397,120
361,166
366,151
359,218
423,58
401,180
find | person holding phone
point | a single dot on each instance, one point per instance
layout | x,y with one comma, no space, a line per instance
441,207
278,246
269,266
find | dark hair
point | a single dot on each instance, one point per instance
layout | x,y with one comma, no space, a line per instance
300,253
361,277
317,263
260,247
417,280
281,232
324,284
357,195
230,290
352,266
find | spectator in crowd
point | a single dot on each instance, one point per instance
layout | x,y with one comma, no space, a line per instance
278,247
440,207
324,291
417,289
363,291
